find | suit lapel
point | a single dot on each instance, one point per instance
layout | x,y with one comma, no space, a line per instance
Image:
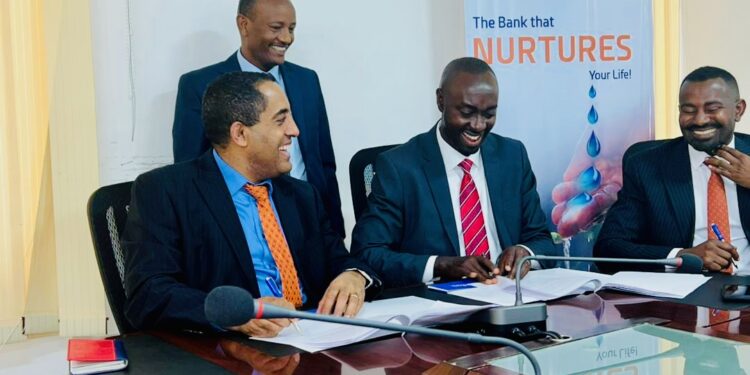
214,191
678,182
498,186
294,94
742,144
434,170
231,64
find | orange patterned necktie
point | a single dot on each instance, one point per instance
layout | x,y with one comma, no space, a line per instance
277,243
718,213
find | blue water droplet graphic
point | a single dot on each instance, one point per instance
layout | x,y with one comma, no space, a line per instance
589,180
593,116
592,92
580,199
593,147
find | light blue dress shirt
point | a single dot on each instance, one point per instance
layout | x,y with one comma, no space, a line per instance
295,154
247,210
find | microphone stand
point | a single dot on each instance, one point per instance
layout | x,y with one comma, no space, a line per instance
523,321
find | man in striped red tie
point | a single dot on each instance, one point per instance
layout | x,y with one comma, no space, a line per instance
456,201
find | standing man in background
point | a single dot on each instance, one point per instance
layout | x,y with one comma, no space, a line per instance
266,30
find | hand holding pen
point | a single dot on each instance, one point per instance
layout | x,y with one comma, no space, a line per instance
271,283
716,254
720,237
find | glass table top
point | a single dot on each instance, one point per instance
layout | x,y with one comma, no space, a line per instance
642,349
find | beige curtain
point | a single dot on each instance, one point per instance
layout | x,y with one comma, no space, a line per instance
25,208
47,149
666,67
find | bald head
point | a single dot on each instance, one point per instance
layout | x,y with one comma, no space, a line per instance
469,65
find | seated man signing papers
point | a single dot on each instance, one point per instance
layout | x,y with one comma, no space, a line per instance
234,217
456,201
688,194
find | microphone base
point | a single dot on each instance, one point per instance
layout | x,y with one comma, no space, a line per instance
520,323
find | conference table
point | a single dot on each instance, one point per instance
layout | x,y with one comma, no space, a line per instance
580,317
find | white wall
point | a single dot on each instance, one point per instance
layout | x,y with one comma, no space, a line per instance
716,33
379,64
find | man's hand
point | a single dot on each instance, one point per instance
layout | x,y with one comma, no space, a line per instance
510,256
716,255
345,295
266,327
260,362
475,267
734,166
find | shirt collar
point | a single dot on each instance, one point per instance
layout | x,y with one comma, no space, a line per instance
451,157
247,66
235,181
697,157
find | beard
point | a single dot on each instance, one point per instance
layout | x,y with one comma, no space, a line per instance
722,137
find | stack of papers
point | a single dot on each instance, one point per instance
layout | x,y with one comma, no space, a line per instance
544,285
317,336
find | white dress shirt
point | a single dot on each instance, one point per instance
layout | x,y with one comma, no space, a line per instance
295,154
701,174
451,160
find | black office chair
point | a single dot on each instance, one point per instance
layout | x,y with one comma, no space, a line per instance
107,210
361,172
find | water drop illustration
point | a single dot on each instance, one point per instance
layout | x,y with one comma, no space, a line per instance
589,180
593,116
592,92
593,147
580,199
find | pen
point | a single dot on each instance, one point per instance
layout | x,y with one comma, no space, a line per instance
720,237
277,293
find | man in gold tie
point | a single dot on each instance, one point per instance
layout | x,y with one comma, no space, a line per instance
689,194
234,217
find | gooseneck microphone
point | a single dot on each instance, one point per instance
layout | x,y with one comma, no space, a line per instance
229,306
522,319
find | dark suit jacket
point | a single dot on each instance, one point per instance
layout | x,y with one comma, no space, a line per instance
410,217
183,238
655,209
309,110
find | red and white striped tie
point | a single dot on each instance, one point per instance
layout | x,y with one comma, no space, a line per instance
472,219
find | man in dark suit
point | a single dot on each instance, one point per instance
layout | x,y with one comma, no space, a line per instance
452,201
675,191
233,217
267,30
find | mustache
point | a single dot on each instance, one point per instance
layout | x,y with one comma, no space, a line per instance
693,127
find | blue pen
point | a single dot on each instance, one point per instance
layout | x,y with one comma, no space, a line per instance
271,283
720,237
277,293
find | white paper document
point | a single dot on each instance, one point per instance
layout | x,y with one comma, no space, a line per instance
317,336
548,284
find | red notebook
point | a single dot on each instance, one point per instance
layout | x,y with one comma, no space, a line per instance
89,356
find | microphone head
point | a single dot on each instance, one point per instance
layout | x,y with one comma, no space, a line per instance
229,306
690,264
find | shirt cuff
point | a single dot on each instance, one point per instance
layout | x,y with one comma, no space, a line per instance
368,279
429,269
672,254
535,265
